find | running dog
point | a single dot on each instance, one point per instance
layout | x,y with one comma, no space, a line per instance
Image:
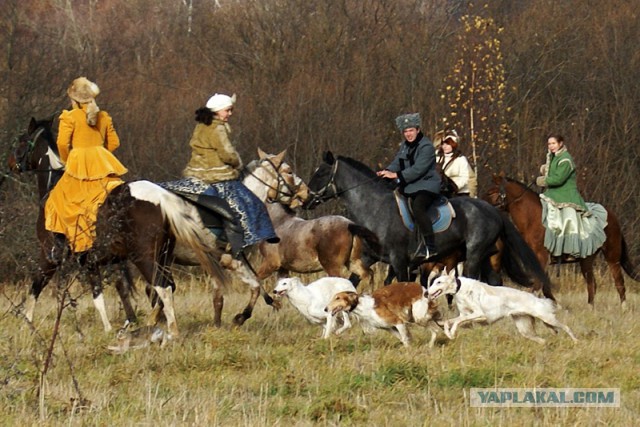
311,300
478,302
390,308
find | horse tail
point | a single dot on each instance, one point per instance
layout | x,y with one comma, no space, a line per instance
369,238
625,261
519,260
185,225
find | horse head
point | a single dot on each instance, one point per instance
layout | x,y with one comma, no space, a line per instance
36,151
31,146
273,180
496,195
506,193
322,183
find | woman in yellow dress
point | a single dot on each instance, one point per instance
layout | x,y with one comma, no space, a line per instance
86,140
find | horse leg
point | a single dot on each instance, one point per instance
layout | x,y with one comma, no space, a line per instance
124,285
612,251
586,266
98,296
164,287
618,278
270,262
247,276
218,303
41,279
357,266
391,274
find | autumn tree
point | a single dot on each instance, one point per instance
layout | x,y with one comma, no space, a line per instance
475,89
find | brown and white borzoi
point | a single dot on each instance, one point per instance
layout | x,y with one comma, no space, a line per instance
478,302
390,308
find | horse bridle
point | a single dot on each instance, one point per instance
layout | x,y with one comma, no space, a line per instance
320,195
502,196
22,161
281,182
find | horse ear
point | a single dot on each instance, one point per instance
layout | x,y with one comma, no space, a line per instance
280,157
327,157
32,126
261,154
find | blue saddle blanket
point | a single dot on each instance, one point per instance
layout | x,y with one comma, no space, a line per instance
253,215
440,213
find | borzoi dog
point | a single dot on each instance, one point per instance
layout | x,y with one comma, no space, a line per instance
311,300
390,308
478,302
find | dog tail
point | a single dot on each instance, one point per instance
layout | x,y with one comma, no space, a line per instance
520,261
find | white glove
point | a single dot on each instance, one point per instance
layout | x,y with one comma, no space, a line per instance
541,181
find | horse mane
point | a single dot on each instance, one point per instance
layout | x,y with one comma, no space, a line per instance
367,172
48,135
521,184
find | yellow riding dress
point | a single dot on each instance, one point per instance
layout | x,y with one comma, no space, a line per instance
91,172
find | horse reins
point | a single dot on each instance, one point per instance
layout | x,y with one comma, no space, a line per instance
331,184
281,181
502,195
22,163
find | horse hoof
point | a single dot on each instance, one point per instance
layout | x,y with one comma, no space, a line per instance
276,305
239,319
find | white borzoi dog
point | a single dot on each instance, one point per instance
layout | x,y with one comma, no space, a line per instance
390,308
478,302
310,300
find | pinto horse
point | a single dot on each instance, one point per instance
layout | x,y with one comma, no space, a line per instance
139,221
525,208
328,243
270,178
474,232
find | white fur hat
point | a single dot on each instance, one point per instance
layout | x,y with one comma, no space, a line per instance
219,102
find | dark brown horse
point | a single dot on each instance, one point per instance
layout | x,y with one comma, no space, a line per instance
525,208
139,221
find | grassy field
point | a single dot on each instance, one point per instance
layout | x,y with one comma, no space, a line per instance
276,370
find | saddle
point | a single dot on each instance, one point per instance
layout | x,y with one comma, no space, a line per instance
218,217
441,213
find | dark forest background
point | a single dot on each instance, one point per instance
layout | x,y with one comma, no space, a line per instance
332,74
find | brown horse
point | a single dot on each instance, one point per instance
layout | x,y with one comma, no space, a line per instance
525,208
139,221
328,243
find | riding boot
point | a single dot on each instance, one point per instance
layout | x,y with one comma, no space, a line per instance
230,221
427,248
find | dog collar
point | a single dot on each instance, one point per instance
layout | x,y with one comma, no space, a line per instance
458,284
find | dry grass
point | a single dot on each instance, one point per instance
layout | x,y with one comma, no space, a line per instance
277,371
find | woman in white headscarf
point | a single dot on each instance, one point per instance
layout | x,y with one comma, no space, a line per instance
216,164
